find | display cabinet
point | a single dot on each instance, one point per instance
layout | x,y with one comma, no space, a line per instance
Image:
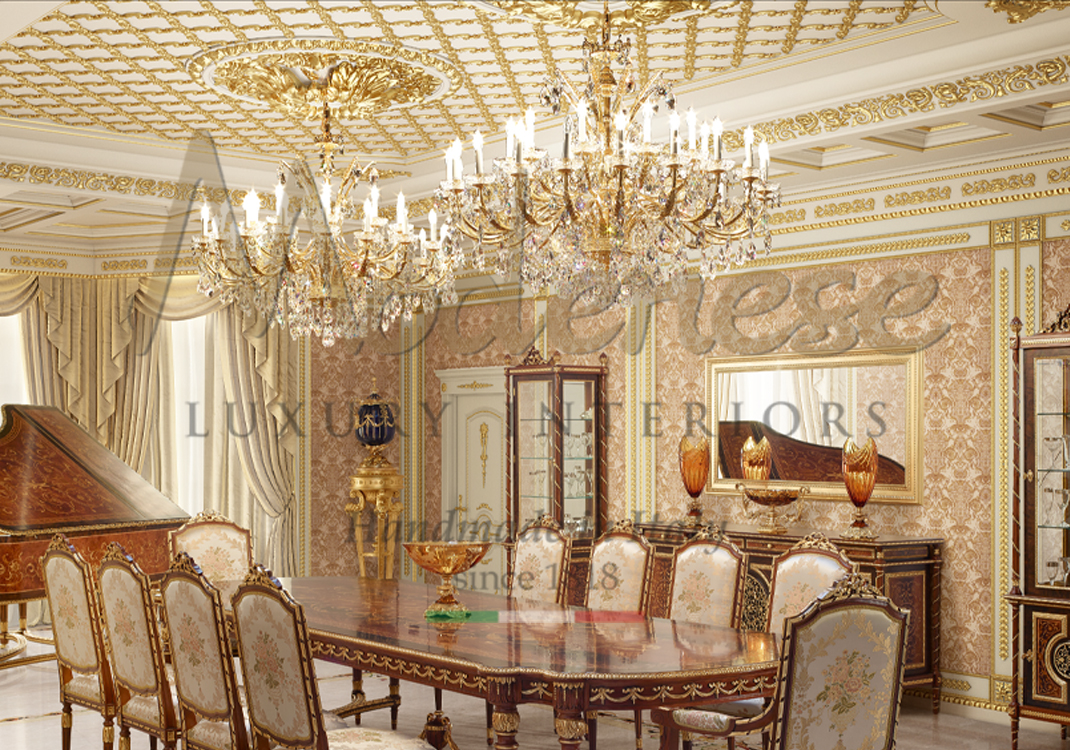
1040,598
556,444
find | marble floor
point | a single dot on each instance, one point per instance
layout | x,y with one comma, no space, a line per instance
30,719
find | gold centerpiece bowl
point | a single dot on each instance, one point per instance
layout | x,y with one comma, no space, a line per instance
446,559
769,500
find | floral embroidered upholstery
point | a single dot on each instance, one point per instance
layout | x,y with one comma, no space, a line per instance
195,648
706,583
280,679
845,678
214,734
539,564
220,547
70,614
617,579
841,670
128,630
144,709
799,577
272,666
85,686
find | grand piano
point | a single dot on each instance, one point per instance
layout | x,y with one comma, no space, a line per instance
55,477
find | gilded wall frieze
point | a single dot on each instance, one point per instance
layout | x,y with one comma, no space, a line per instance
789,216
1022,10
914,197
1000,184
858,206
172,262
1059,175
1005,82
124,265
24,261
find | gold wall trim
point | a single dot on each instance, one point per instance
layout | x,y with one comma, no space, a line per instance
124,265
843,252
105,182
921,181
947,683
1030,299
1003,486
957,700
1000,184
1007,198
857,206
25,261
932,195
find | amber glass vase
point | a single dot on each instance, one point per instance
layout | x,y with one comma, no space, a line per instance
694,470
860,476
756,460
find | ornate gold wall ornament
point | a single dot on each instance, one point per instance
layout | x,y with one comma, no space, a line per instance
1000,184
949,683
789,216
1001,691
475,385
1022,10
298,76
1059,175
1003,323
637,15
860,205
124,265
1003,232
484,430
24,261
1030,299
1065,225
1029,229
172,263
915,197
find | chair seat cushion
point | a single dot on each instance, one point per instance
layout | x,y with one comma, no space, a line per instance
84,686
360,738
145,709
717,717
208,733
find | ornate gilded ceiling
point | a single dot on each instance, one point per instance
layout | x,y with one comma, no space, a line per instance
432,71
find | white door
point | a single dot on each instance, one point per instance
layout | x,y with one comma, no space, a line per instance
474,468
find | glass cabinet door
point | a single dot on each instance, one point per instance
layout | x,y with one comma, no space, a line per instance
534,449
1051,466
578,455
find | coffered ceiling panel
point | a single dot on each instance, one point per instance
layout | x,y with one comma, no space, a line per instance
125,67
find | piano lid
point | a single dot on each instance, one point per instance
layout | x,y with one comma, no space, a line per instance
55,477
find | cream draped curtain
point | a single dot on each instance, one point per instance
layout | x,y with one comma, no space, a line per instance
100,350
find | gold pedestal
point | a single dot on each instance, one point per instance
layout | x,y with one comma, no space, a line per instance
376,487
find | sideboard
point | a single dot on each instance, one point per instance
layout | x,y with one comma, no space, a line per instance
906,569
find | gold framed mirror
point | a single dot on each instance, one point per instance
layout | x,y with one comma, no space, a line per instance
807,407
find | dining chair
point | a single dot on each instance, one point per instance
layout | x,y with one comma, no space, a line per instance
619,581
838,684
708,574
807,570
85,677
223,549
282,697
205,681
145,697
538,569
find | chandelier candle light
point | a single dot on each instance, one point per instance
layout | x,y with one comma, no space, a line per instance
339,282
619,214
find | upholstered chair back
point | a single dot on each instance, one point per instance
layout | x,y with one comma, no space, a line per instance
620,569
800,575
707,582
841,671
273,645
145,700
85,676
222,548
200,653
540,557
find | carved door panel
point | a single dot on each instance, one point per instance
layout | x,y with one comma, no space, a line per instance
474,469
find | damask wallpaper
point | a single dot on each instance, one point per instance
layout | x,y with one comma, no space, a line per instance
1055,281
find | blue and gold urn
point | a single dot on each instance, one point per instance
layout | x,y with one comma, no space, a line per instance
375,424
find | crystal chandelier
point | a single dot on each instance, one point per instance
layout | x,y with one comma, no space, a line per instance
339,282
618,215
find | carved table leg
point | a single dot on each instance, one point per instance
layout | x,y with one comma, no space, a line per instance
504,693
570,716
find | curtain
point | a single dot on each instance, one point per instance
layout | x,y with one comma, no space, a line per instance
260,383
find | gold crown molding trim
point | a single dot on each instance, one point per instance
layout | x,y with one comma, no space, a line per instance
942,178
1023,124
860,250
991,84
958,700
922,149
1021,10
1008,198
34,220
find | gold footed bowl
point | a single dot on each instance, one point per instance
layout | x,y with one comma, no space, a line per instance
446,559
770,499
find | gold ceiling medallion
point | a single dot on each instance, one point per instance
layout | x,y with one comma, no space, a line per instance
297,76
1022,10
635,14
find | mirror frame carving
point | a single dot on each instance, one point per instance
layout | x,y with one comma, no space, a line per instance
913,465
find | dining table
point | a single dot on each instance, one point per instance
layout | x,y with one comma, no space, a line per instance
512,651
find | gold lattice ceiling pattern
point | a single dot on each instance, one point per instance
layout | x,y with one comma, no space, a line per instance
125,67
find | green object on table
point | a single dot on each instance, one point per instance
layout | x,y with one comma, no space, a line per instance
487,615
